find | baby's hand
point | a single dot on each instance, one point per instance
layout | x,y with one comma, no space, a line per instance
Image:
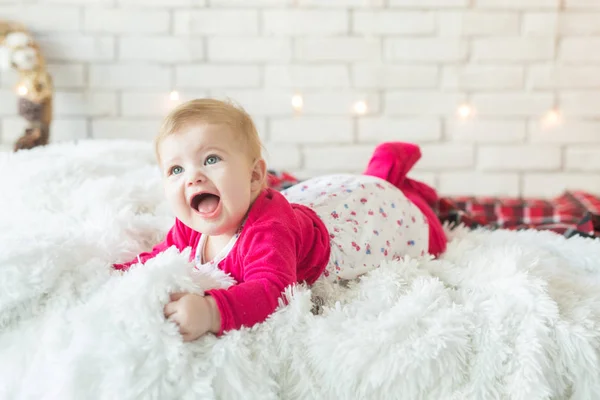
194,314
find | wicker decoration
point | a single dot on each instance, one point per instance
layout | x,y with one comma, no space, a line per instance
34,88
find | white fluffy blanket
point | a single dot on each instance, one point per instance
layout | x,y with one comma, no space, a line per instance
501,315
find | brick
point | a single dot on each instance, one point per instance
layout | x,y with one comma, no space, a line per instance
8,102
583,24
477,23
148,104
307,76
393,22
97,104
582,4
582,159
261,126
249,49
435,4
311,130
74,48
216,76
12,128
339,3
337,158
304,22
563,77
513,49
259,102
162,3
186,94
67,76
8,79
446,155
542,24
41,19
339,102
395,129
68,129
568,132
518,4
519,157
512,104
62,129
118,20
486,131
338,49
422,103
136,129
164,49
250,3
216,22
580,104
425,50
130,76
77,2
482,77
478,184
282,156
551,185
579,49
385,76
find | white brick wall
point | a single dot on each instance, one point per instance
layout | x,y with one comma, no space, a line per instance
413,62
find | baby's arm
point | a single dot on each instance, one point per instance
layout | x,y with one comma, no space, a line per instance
269,267
178,235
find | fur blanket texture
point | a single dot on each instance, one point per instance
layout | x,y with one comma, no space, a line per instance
500,315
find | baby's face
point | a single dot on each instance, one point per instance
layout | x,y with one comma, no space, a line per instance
207,178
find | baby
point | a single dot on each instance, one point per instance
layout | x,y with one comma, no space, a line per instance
335,227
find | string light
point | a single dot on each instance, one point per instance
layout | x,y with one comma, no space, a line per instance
465,111
360,107
552,118
297,102
22,90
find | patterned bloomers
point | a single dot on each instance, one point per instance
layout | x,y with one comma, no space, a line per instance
369,220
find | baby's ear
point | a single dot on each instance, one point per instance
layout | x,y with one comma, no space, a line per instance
259,174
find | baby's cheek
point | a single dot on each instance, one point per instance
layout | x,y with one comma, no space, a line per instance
175,199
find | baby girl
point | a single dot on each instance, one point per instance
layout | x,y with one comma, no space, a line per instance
336,227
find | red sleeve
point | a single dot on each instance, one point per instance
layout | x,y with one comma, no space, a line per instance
269,266
178,235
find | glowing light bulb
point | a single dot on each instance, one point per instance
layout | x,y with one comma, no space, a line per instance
360,107
297,102
174,95
552,118
465,111
22,90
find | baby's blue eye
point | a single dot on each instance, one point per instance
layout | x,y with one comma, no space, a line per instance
176,170
212,160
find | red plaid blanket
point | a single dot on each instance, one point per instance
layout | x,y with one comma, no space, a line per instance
573,213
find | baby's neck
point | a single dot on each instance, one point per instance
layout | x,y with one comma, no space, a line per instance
213,245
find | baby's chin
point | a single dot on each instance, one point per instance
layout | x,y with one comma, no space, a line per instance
214,228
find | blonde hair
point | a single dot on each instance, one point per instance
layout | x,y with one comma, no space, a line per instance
216,112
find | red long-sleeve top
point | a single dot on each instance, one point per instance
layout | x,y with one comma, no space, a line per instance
281,243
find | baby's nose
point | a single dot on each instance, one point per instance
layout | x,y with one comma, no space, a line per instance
196,178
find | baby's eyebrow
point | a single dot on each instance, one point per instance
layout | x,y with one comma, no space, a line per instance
213,148
170,161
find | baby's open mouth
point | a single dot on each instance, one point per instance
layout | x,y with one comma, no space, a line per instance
205,203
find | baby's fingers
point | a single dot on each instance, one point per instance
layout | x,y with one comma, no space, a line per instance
170,309
176,296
